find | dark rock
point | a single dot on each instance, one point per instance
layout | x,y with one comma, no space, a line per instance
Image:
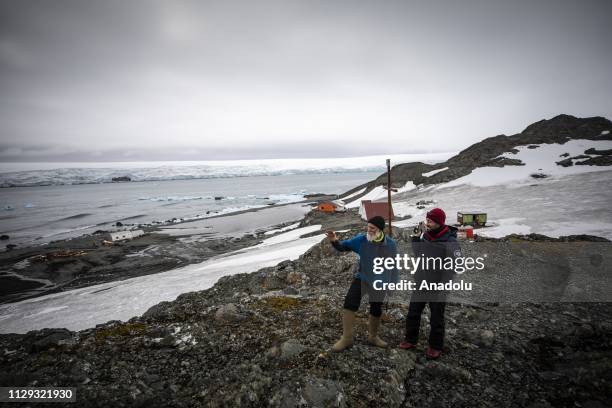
158,312
503,161
228,313
443,370
324,393
10,247
4,237
597,161
284,264
121,179
168,341
482,338
539,175
582,237
51,338
291,348
425,202
566,162
118,224
319,195
606,152
273,281
486,338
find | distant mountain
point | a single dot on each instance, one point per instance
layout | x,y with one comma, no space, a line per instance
486,153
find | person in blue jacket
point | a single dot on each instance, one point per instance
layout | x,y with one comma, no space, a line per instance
374,243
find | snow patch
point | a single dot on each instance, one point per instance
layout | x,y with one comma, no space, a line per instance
287,228
348,198
289,236
570,205
375,194
505,226
45,311
379,193
85,307
541,160
434,172
22,264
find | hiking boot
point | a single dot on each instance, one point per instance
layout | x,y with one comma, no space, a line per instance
373,326
432,353
346,341
407,345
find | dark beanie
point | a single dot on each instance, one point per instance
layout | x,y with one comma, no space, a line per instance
378,221
437,215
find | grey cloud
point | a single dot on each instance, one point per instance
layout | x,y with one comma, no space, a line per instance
288,78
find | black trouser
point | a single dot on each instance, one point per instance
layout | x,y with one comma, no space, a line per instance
353,298
413,322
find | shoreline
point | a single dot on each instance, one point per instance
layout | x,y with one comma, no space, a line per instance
25,278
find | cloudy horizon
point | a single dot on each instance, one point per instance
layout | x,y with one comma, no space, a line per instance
181,80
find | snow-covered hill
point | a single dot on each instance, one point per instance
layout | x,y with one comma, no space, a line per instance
538,161
555,206
554,178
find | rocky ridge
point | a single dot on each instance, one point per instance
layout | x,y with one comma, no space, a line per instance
485,153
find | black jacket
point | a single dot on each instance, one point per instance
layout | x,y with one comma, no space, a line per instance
436,248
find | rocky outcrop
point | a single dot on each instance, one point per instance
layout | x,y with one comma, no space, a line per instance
121,179
596,161
263,339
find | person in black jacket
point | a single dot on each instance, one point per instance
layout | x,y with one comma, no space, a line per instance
432,241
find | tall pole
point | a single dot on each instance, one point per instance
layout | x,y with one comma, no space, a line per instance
389,195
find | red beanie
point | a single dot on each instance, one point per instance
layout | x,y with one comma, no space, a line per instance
437,215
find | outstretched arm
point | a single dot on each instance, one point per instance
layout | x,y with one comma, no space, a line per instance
344,246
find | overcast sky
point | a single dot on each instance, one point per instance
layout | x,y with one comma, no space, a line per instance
173,80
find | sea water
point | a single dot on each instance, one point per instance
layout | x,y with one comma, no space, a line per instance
42,202
33,215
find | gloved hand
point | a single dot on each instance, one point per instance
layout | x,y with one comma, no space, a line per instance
419,229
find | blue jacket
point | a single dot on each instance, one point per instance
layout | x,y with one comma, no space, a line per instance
367,251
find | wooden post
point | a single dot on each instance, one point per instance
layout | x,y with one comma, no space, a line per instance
389,196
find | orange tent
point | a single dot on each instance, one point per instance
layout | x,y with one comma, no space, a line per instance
331,206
